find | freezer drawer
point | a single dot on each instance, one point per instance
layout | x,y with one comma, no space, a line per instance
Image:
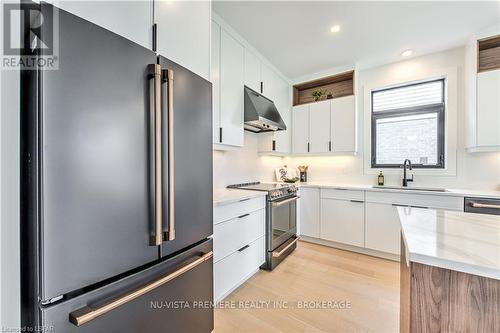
181,304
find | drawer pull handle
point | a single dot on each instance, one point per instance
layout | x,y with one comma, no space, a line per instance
278,254
481,205
87,313
244,215
244,248
358,201
419,207
398,205
244,199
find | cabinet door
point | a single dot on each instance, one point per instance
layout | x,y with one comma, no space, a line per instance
300,129
282,138
383,231
309,212
232,80
215,78
488,108
252,71
319,132
269,82
343,124
130,19
184,33
343,221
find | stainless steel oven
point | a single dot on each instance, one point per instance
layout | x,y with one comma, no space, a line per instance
282,224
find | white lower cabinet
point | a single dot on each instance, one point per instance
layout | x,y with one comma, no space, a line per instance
309,212
367,220
342,221
236,268
239,230
232,235
383,230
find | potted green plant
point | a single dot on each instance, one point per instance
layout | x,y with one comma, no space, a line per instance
317,94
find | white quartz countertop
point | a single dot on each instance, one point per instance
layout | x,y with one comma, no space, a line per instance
464,242
226,196
364,187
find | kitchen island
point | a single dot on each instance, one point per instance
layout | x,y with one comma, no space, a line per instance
450,271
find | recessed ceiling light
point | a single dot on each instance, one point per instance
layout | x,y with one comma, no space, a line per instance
335,28
407,53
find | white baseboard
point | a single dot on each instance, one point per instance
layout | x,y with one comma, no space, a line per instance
362,250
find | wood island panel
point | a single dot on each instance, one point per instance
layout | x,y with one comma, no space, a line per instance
435,299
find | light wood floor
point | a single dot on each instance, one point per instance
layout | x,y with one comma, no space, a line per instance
318,273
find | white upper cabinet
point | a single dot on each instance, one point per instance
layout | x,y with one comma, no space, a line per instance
132,20
488,109
183,33
300,129
319,122
283,138
331,127
215,78
277,90
232,80
343,124
252,71
482,91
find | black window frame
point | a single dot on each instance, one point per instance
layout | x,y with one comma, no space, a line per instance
438,108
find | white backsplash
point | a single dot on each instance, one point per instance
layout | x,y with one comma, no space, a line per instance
244,164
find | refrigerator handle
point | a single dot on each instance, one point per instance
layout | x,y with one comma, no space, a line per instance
168,75
156,74
88,313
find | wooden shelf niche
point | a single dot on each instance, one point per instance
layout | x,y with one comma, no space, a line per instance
339,85
488,54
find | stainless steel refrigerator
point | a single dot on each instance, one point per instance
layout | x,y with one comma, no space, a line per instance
116,188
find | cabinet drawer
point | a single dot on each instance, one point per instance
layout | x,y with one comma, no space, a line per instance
226,212
233,270
229,236
418,200
342,194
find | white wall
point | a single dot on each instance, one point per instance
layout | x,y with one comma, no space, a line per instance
244,164
473,170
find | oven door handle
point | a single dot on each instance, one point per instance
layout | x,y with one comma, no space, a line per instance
278,254
282,202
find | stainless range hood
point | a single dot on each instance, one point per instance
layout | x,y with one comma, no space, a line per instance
261,114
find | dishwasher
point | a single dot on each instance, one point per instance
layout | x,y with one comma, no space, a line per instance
482,205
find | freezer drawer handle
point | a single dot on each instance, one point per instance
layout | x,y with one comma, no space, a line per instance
481,205
155,73
278,254
87,313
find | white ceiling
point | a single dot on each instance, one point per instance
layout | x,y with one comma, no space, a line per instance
295,35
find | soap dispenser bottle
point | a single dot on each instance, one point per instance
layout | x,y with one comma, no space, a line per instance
380,179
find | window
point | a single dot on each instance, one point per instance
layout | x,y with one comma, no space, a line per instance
408,123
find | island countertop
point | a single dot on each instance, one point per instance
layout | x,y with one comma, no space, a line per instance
464,242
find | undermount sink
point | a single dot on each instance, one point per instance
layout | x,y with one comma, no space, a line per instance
432,189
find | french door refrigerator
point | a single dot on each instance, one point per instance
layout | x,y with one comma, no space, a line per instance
116,188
